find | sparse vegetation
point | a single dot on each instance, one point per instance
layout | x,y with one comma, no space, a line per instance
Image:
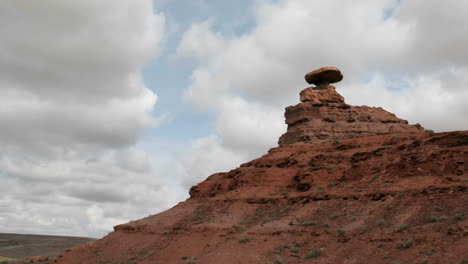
434,218
313,253
380,222
295,249
192,260
184,257
430,132
340,232
386,255
337,142
244,240
402,227
407,244
458,217
278,260
309,223
143,251
439,208
464,261
330,185
430,252
363,229
239,229
426,261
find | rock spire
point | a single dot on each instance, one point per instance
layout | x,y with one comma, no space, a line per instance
323,114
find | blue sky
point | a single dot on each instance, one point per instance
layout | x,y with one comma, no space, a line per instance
112,110
169,76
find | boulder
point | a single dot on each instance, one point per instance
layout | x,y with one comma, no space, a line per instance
324,76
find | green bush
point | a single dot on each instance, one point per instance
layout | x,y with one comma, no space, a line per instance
402,228
407,244
244,240
380,222
313,253
363,229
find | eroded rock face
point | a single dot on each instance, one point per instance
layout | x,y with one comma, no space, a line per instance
324,115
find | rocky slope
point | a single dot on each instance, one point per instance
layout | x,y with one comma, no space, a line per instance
347,184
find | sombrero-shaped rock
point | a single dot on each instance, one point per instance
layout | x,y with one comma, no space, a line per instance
324,76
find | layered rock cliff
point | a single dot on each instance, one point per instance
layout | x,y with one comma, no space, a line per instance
347,184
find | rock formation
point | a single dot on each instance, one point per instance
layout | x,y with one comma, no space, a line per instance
346,185
324,115
324,76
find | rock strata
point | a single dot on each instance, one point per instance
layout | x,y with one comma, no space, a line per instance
324,115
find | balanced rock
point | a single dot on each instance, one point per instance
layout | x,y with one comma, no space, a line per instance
324,76
323,115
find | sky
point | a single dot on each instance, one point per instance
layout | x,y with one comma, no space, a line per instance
111,110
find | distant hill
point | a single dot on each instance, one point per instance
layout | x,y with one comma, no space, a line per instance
19,246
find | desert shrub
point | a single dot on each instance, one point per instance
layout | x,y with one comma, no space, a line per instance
407,244
402,228
239,228
363,229
458,217
380,222
337,142
386,255
340,232
244,240
193,260
278,260
313,253
430,252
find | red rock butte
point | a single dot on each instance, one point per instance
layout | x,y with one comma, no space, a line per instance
324,115
347,184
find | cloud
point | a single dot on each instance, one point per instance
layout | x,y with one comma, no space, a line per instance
73,106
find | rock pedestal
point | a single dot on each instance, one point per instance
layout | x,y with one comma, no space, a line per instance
323,114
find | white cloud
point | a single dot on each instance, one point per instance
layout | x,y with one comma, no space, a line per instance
206,156
73,105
